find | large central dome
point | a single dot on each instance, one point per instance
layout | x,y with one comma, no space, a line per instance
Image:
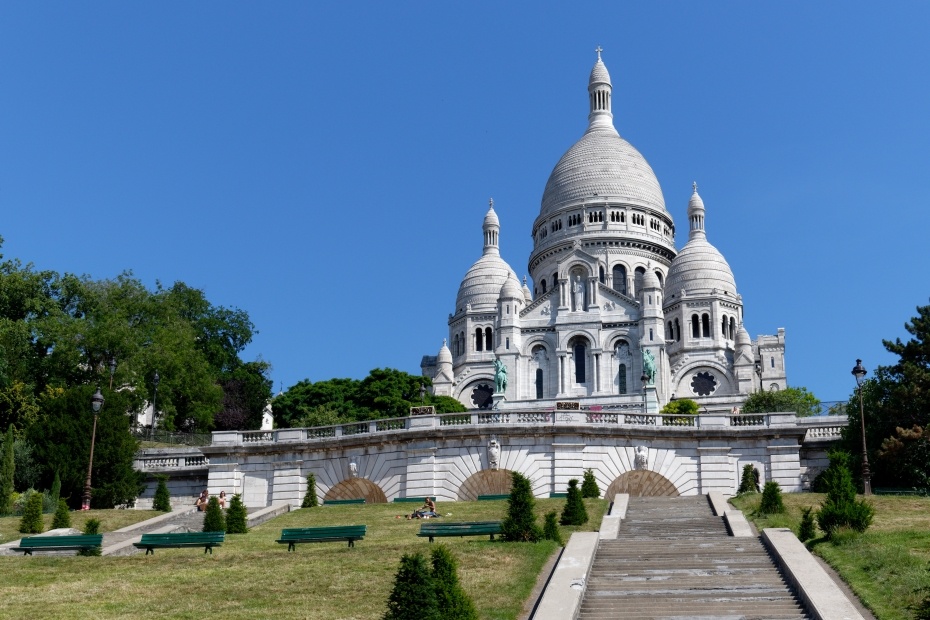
602,163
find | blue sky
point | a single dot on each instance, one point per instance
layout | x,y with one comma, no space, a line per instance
327,168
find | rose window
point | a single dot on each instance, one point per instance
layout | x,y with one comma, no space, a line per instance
703,384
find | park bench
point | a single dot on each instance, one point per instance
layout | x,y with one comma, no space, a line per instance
338,502
896,491
349,533
207,540
411,500
465,528
558,495
491,498
59,543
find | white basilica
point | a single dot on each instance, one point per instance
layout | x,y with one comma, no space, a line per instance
617,317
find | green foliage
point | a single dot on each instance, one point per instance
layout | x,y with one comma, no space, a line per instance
589,486
772,503
92,526
7,472
799,400
213,519
62,516
574,512
31,523
520,523
749,482
28,470
446,404
236,516
922,609
55,493
310,499
451,599
806,530
681,406
841,508
413,596
551,529
246,389
162,499
62,444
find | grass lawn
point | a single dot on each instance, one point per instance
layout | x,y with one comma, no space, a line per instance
886,566
251,576
109,520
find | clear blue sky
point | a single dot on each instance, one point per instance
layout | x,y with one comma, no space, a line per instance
327,169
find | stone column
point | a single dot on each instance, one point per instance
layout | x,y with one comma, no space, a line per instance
785,465
421,471
285,485
715,472
592,293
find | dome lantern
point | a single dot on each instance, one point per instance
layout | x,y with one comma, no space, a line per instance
492,229
696,215
599,93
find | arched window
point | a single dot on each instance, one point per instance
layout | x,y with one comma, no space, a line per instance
619,278
725,327
539,383
705,325
455,345
555,280
601,276
677,331
580,355
732,328
544,286
695,326
773,363
638,279
669,331
479,340
661,279
488,342
621,379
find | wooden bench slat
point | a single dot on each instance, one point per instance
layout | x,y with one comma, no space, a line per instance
349,533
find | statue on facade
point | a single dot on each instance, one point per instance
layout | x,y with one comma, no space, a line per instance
500,377
641,458
494,454
649,366
353,469
578,294
267,418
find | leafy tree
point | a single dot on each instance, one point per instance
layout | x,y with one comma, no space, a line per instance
213,519
7,473
162,499
520,523
62,516
806,530
236,516
589,486
681,406
749,482
413,596
451,599
799,400
908,452
91,526
310,499
841,508
246,390
28,470
389,393
55,493
31,523
446,404
551,529
574,512
772,502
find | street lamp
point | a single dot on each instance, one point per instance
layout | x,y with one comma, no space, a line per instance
422,393
96,401
112,370
155,381
859,373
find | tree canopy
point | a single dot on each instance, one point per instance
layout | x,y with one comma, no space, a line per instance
799,400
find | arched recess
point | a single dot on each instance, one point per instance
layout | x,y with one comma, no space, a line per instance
641,483
485,482
355,488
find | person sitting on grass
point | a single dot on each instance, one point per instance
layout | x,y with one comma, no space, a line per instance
201,502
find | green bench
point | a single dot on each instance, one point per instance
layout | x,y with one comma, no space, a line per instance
896,491
411,500
558,495
338,502
295,535
491,498
59,543
207,540
465,528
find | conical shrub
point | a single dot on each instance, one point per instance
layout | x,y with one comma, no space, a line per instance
450,597
413,596
162,500
213,520
62,516
772,503
574,512
551,529
31,523
589,486
236,516
520,523
310,499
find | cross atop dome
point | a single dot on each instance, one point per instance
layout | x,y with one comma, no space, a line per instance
491,203
598,49
694,185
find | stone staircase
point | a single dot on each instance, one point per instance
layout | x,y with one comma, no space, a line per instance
673,559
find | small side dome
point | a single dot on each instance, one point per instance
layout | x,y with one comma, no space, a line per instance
511,290
491,218
742,337
445,355
651,280
482,284
527,294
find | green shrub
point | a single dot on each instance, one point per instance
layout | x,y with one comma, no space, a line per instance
450,597
310,499
551,529
413,596
92,526
55,493
806,530
772,503
574,512
236,516
681,406
162,500
841,508
62,516
749,482
922,609
520,523
7,471
589,486
213,520
31,523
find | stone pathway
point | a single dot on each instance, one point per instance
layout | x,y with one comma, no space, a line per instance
673,559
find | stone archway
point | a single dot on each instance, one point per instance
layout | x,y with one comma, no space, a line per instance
485,482
639,483
356,488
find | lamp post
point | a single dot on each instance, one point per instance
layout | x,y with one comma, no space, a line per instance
422,393
859,373
112,370
96,401
155,381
